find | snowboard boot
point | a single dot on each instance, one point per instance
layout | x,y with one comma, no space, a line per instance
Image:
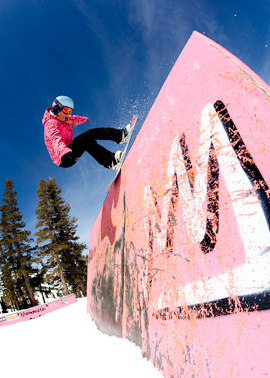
126,133
118,158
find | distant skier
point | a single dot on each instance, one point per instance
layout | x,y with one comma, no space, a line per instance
65,151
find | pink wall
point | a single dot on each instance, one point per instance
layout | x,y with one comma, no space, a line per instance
35,312
179,254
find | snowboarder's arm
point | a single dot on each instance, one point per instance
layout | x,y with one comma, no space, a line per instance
77,120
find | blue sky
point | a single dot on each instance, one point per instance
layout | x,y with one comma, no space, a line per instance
111,57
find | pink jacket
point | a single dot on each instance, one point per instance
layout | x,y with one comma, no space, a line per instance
58,135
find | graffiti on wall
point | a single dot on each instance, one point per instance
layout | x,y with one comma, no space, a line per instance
196,190
128,272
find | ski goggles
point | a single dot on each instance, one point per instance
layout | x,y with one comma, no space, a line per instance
64,109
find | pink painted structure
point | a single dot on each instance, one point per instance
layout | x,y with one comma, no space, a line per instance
179,256
35,312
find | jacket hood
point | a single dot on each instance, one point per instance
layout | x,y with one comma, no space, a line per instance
47,116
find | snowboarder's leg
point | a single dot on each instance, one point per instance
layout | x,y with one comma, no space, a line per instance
103,133
69,159
87,142
102,155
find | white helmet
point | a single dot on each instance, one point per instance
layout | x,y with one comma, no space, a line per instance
60,102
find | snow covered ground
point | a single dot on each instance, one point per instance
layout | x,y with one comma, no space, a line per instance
66,343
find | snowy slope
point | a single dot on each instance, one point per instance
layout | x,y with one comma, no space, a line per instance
67,343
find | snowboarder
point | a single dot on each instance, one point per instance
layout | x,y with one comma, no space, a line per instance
65,151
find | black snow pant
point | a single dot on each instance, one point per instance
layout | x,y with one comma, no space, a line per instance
87,141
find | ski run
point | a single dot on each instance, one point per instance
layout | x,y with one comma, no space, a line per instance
66,343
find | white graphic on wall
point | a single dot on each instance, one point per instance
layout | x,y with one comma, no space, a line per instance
254,276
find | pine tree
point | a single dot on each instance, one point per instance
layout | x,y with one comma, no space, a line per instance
75,268
57,236
4,306
17,256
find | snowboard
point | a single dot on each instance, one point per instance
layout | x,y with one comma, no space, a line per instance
133,122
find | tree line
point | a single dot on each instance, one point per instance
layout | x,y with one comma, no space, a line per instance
54,263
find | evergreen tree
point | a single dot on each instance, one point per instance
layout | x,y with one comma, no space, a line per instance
4,307
16,254
75,268
59,248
